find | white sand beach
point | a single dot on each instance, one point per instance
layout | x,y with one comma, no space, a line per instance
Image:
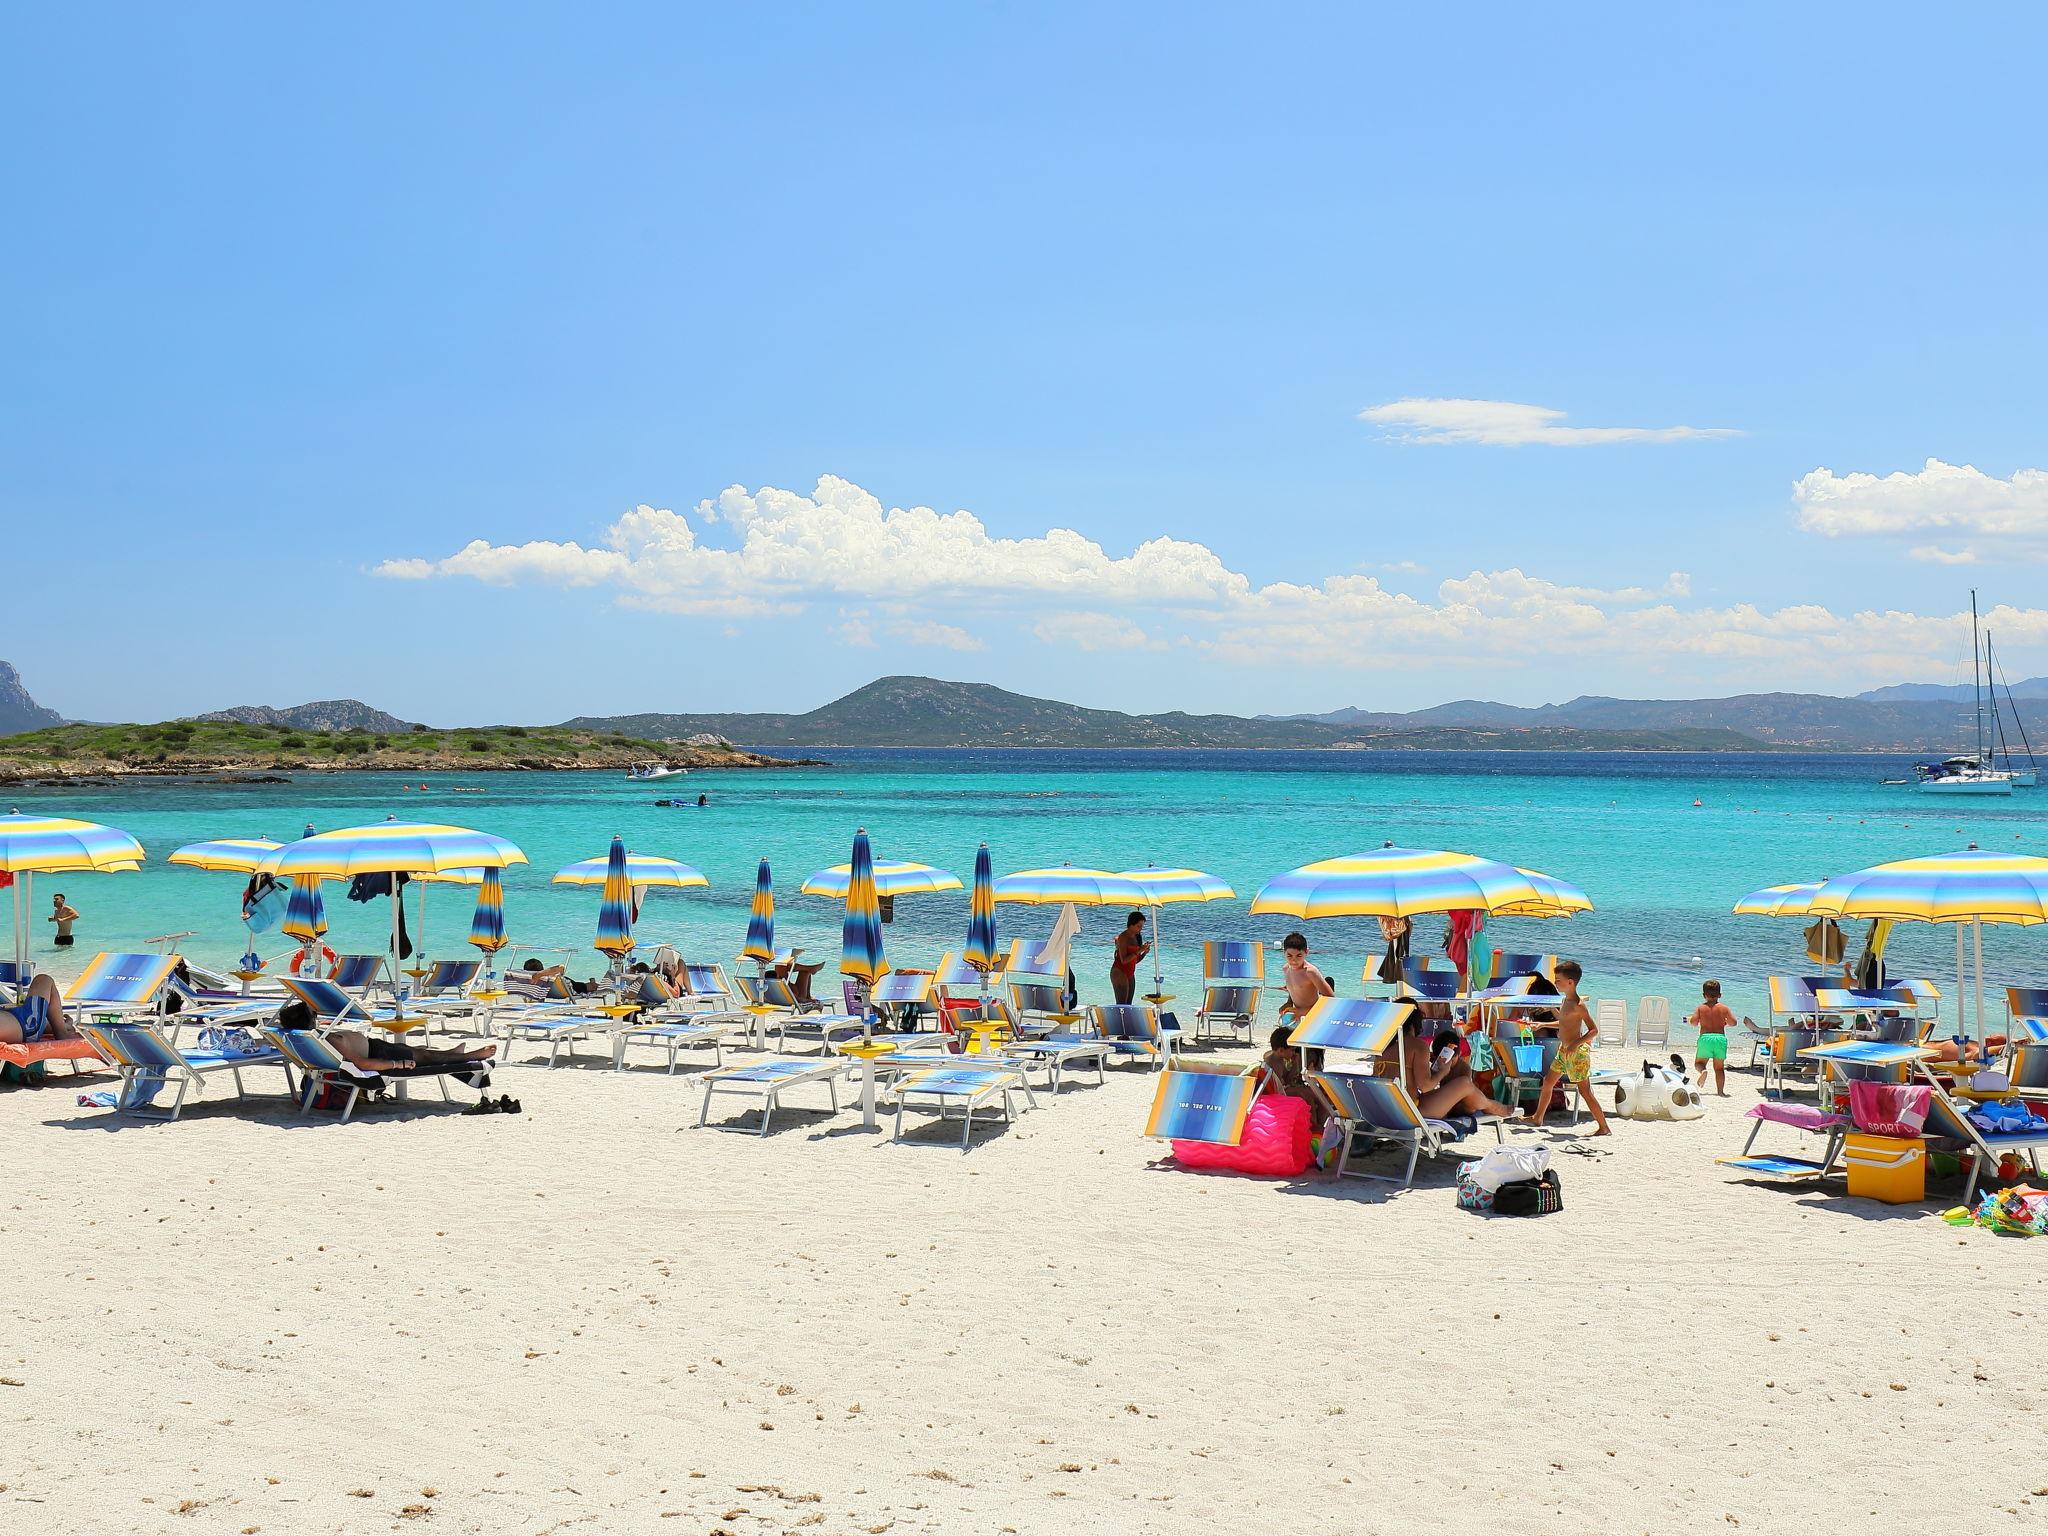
595,1316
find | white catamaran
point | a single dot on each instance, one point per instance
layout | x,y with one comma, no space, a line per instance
1974,774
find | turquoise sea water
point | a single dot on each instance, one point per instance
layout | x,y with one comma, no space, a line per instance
1662,871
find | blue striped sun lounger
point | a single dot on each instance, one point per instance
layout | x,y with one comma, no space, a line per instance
1054,1054
321,1065
767,1081
669,1024
1362,1024
1948,1117
336,1007
357,973
968,1088
1135,1030
148,1063
1380,1109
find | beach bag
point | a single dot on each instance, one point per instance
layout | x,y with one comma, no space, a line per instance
1481,1045
1526,1054
1824,944
1505,1164
1530,1197
1889,1109
1471,1197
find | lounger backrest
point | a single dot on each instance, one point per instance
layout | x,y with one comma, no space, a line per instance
1945,1118
1133,1023
449,975
902,987
767,992
307,1049
1438,985
120,977
1033,957
952,972
706,980
1506,965
324,997
2030,1067
355,972
143,1045
1233,960
1038,997
1231,1001
1363,1024
2027,1002
1379,1102
653,991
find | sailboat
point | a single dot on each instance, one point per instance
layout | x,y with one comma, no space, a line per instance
2027,775
1972,775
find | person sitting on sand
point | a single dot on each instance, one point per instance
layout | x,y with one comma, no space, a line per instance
38,1014
1304,983
1713,1019
1287,1066
1574,1060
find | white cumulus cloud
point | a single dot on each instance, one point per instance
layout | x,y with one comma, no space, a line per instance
1956,501
1507,424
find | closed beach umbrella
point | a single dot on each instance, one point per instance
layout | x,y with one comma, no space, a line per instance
1165,887
860,943
32,845
487,922
893,877
760,945
1972,886
615,910
981,951
305,917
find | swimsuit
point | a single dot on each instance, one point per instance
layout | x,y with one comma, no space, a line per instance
1713,1046
33,1016
1574,1064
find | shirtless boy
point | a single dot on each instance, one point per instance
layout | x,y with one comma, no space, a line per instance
1713,1019
1304,983
1575,1032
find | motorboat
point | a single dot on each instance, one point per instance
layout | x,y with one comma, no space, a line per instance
647,773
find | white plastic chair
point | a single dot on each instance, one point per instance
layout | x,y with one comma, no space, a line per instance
1611,1014
1653,1022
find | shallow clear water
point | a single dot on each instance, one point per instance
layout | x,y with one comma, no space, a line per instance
1623,826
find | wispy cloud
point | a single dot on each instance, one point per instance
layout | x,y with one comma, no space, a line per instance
1093,632
1934,554
1507,424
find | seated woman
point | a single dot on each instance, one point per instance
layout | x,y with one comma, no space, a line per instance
37,1015
1441,1085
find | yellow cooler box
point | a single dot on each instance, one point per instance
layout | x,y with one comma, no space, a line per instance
1887,1168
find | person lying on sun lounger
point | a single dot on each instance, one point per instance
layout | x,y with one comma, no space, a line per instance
395,1057
39,1015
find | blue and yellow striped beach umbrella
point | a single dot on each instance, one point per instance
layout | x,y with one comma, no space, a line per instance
642,870
1082,887
860,939
305,915
615,910
1167,887
487,923
981,951
1778,900
760,943
391,847
893,877
30,845
232,855
1409,882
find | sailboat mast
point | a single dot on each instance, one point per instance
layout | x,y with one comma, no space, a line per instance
1976,679
1993,673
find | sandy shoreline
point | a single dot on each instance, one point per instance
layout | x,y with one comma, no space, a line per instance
555,1320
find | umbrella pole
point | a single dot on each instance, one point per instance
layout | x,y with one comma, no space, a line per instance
397,915
1158,978
1977,943
24,914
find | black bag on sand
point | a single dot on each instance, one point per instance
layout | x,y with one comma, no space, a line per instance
1530,1197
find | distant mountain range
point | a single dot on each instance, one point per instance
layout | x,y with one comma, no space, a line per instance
1911,718
326,715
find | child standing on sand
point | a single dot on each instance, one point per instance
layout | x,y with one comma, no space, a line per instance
1574,1063
1304,983
1713,1019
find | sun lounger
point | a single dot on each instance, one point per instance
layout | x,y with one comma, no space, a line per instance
357,974
1134,1029
147,1060
1364,1025
1949,1116
120,982
664,1022
321,1065
339,1009
768,1080
1806,1118
1380,1109
28,1053
966,1087
1056,1054
1430,983
1203,1103
1039,1007
1233,983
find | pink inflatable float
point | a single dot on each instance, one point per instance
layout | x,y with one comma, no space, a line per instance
1275,1143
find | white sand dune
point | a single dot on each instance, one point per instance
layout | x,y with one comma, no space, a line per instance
596,1317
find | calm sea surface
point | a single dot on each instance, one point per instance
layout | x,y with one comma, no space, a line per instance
1662,871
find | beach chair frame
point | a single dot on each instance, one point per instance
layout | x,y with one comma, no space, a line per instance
768,1080
1380,1109
968,1087
138,1047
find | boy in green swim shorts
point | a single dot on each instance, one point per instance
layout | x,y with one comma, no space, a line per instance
1574,1060
1713,1019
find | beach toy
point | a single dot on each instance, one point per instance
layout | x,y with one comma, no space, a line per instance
1275,1143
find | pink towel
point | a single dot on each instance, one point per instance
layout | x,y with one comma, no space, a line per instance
1889,1109
1806,1116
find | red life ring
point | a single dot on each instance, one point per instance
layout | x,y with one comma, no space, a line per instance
327,959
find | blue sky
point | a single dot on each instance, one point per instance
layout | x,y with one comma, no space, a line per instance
302,306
